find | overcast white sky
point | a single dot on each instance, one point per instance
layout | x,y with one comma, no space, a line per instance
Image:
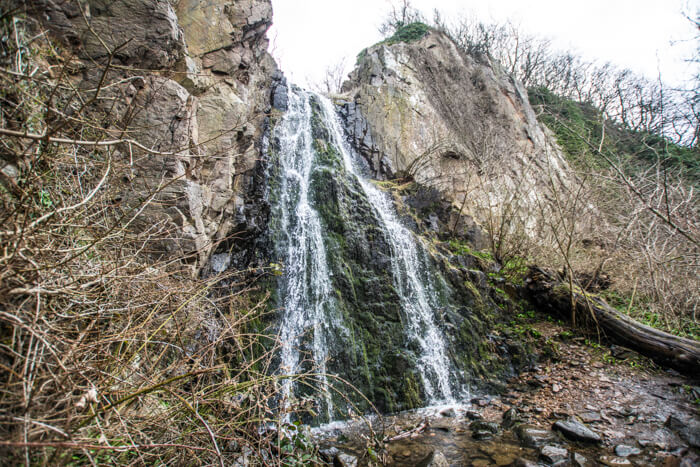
309,35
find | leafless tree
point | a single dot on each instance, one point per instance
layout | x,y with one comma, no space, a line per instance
402,13
333,78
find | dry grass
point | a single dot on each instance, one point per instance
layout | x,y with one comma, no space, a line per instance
110,350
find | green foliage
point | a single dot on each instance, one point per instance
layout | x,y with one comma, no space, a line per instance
574,123
462,248
514,270
640,311
527,315
407,33
565,335
297,447
566,119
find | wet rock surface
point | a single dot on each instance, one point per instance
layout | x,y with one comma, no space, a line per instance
642,415
553,454
576,431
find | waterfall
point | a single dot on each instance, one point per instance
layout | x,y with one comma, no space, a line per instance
306,289
311,320
411,276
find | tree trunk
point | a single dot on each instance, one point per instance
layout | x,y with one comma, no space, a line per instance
553,296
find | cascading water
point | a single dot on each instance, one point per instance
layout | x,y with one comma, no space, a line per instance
411,277
312,320
306,289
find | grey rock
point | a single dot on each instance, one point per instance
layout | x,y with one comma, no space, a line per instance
590,417
449,412
222,61
220,262
426,104
482,435
576,431
579,460
623,450
328,454
553,454
147,30
280,100
345,460
207,170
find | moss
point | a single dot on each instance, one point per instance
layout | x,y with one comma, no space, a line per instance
462,248
411,394
407,33
636,151
469,286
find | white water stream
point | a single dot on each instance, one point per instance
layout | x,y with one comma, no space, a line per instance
307,291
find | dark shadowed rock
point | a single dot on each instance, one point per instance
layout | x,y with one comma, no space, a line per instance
328,454
511,417
688,429
484,426
279,92
472,415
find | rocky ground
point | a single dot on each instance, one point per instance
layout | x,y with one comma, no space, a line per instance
584,404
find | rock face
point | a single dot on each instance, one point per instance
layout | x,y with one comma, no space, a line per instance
191,80
451,122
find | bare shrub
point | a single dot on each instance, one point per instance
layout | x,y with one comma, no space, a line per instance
111,351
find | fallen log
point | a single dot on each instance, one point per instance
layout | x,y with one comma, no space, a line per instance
553,296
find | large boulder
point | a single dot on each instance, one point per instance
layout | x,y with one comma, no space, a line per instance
452,121
190,81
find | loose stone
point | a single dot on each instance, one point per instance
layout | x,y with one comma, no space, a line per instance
553,454
577,431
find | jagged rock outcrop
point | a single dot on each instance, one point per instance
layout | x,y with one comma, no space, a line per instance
451,121
190,80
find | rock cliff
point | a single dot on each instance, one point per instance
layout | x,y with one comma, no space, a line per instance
451,121
189,80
